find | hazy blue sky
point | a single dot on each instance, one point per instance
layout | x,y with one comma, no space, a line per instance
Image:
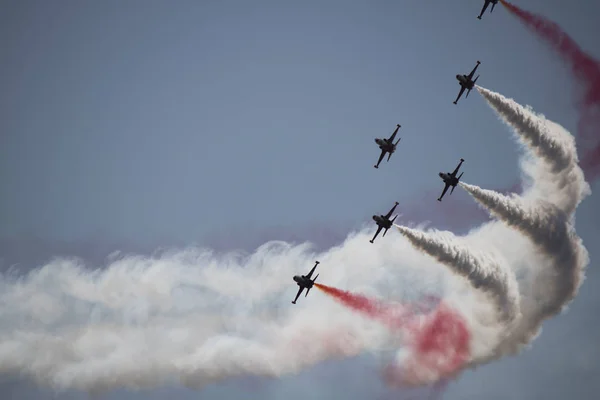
131,124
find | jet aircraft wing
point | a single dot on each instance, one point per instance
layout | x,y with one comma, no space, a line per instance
457,168
462,90
391,138
380,158
298,294
312,270
389,214
473,72
379,228
485,6
444,191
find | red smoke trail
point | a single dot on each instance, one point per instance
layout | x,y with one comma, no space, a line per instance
441,345
439,341
587,72
395,316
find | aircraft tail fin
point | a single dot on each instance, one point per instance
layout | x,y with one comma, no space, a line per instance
452,190
389,156
468,91
492,9
396,144
475,81
308,289
461,174
392,221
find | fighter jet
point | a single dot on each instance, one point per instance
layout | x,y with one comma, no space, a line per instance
387,145
485,6
304,282
466,82
450,179
384,222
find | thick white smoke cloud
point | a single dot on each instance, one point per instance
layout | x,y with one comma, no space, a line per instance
563,255
195,317
549,264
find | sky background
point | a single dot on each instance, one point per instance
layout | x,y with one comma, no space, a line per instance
135,124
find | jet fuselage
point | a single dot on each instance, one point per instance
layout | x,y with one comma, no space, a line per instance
385,145
448,178
465,81
382,221
301,280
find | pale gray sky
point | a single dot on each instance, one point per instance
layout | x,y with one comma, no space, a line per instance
144,123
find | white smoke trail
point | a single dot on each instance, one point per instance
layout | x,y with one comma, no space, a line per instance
195,317
550,231
533,131
486,272
558,180
563,183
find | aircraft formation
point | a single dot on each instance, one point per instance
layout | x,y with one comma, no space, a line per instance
388,146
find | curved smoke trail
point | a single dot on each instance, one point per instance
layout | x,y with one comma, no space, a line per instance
546,218
194,317
532,130
554,147
550,231
554,270
485,272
